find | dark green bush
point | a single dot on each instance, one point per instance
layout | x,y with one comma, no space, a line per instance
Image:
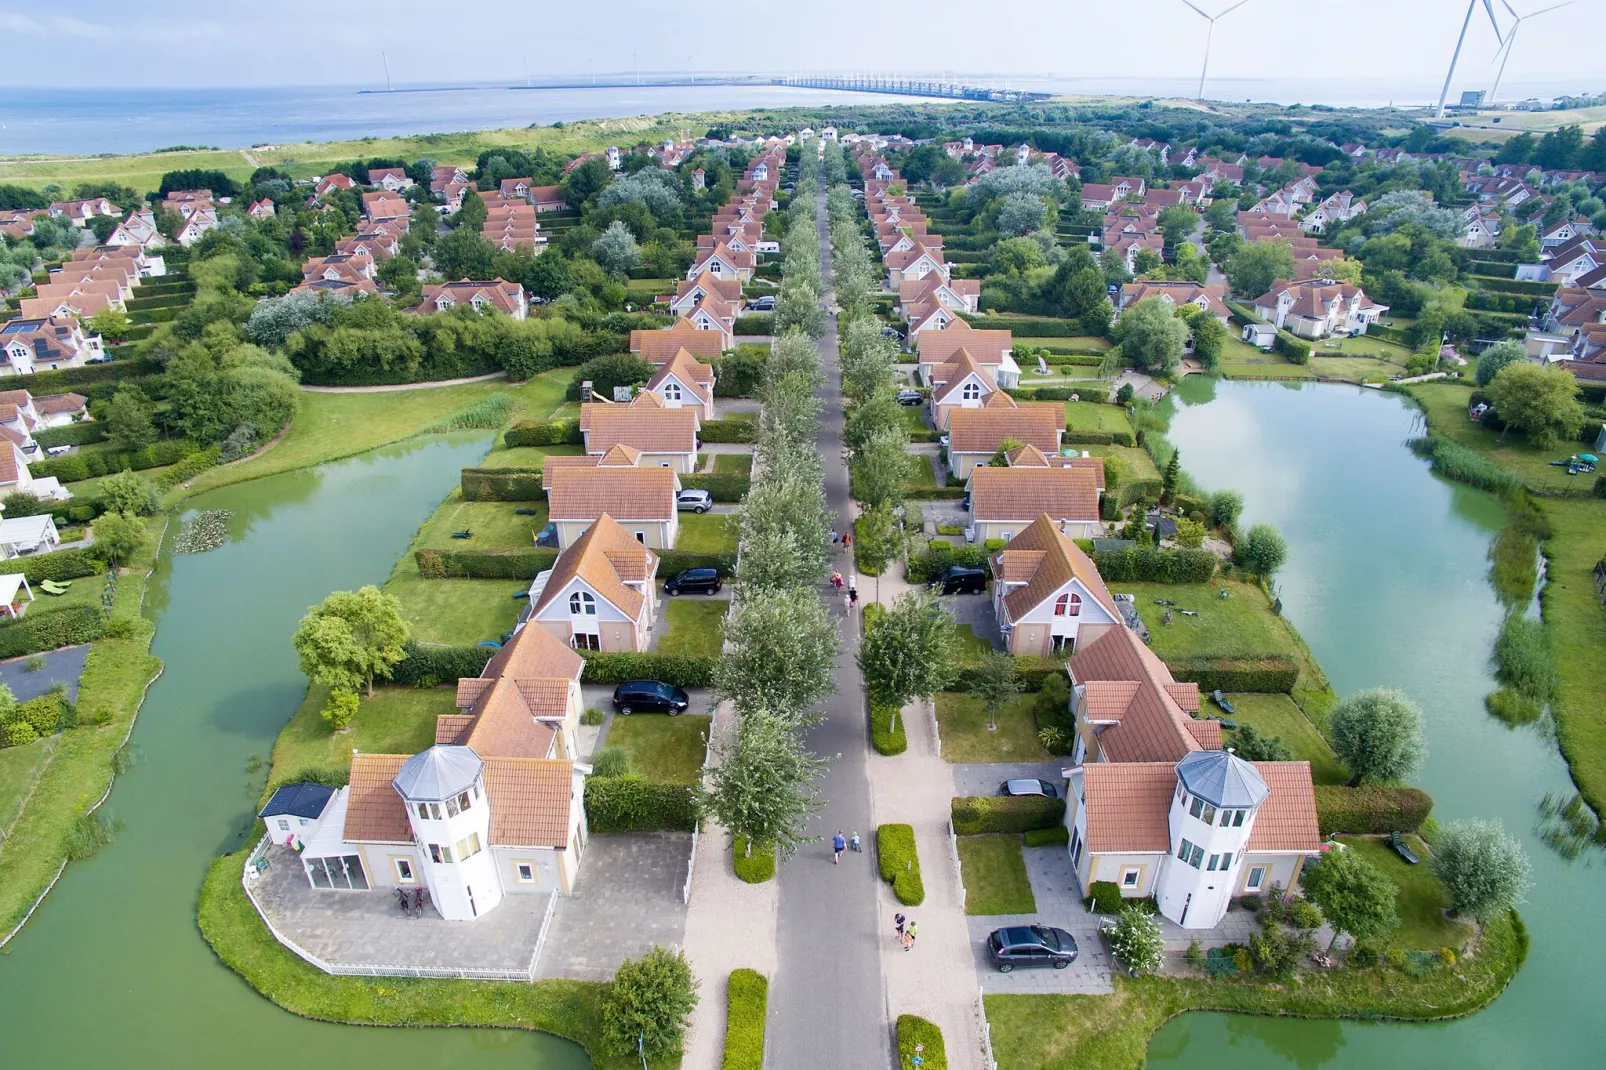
976,814
46,714
884,736
60,565
926,564
747,1005
723,488
1059,836
755,868
533,433
755,323
502,485
728,431
429,666
899,862
1105,897
1149,564
106,462
1371,809
79,434
1296,351
632,803
1274,673
1098,438
682,670
483,564
1140,490
47,629
671,562
914,1031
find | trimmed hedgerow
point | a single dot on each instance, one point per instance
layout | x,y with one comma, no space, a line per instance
1058,836
682,670
535,433
79,434
885,736
1274,673
722,488
1371,809
47,629
728,431
747,1004
913,1031
975,814
104,463
430,666
899,862
521,564
501,485
60,565
632,803
755,868
1149,564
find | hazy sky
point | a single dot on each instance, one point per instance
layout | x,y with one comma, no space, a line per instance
1393,42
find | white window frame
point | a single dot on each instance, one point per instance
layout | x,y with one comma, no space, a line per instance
525,872
1131,876
1251,884
403,868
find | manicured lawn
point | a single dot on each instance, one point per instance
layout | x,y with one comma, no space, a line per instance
1421,900
733,464
1242,624
1239,359
1366,346
1139,465
972,647
649,287
914,418
18,767
709,533
496,525
663,747
994,871
962,723
1446,406
1278,715
397,720
1092,416
922,471
85,590
1083,343
526,456
455,611
1355,369
694,626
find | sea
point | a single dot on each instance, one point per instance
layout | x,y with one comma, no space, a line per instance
91,121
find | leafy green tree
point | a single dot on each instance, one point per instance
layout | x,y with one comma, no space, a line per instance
470,216
341,710
1171,476
649,1005
463,254
1222,213
1209,339
875,542
1263,551
1152,336
1146,261
1482,866
110,323
1177,222
781,655
1496,357
1225,506
118,537
909,652
1000,457
21,503
1250,745
605,373
1378,734
131,493
351,638
881,470
763,787
616,250
1543,402
995,681
128,424
1017,256
1354,895
1254,267
1020,213
585,181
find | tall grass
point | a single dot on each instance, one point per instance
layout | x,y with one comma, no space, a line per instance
1514,565
1524,660
487,414
1464,465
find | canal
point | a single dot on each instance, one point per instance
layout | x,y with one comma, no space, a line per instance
111,971
1386,581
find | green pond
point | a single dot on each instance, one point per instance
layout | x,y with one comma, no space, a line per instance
1386,581
111,971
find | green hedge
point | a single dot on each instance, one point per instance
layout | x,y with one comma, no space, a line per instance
42,716
534,433
673,562
975,814
47,629
1141,490
632,803
747,1003
522,564
1097,438
1105,897
755,323
79,434
933,494
1031,670
682,670
1149,564
1059,836
729,431
63,380
900,863
914,1031
501,485
1371,809
723,488
755,868
106,462
1272,674
926,564
60,565
1297,351
886,737
431,666
1388,334
1027,326
1512,286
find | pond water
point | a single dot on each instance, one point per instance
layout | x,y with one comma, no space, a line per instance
1386,581
111,971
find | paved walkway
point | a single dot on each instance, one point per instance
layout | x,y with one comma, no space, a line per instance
827,1003
626,901
1059,903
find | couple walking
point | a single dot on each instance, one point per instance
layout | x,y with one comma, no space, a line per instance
906,930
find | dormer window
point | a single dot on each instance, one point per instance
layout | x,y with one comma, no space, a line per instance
672,392
1068,605
971,392
581,603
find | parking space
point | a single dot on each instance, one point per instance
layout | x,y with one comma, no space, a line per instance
627,900
1059,904
983,778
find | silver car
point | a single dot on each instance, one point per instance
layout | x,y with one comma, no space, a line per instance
696,501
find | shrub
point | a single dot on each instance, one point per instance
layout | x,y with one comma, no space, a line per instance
1148,564
1105,897
592,717
82,433
649,1002
1371,809
60,565
1296,351
341,710
926,564
501,485
1058,836
747,1002
900,863
535,433
47,629
17,734
1303,914
728,431
430,666
976,814
632,803
1378,734
1275,673
914,1031
522,564
683,670
755,867
612,760
885,736
1483,867
1137,941
723,488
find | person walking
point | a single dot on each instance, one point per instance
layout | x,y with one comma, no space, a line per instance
847,604
836,540
839,844
853,595
847,540
853,842
898,921
418,902
836,581
909,936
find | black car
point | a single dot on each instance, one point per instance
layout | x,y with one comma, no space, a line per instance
1029,786
909,397
959,579
649,696
1031,945
694,581
763,304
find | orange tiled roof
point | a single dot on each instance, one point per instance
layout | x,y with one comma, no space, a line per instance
530,800
576,493
605,557
1042,557
374,812
1153,728
998,494
984,430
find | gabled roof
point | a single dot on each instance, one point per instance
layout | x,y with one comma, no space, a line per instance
689,372
374,812
986,346
1044,559
605,557
649,428
575,493
659,347
297,800
1153,728
950,377
1017,493
984,430
530,801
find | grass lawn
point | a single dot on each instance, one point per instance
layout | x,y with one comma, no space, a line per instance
1421,899
994,871
1240,360
1242,624
397,720
1139,465
526,456
972,647
18,767
733,464
330,426
914,418
1092,416
922,471
650,287
1446,407
710,533
694,627
962,723
495,525
1083,343
1279,715
1366,346
85,590
663,747
455,611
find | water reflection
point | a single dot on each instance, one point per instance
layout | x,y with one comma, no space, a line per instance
1568,826
1305,1044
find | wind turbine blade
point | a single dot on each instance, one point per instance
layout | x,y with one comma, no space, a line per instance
1494,22
1231,9
1196,11
1507,5
1553,7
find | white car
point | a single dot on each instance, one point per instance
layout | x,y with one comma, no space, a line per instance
57,451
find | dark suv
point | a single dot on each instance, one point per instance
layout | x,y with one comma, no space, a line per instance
1031,945
959,579
649,696
694,581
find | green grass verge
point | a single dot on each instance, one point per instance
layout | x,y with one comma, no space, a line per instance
459,612
709,533
733,464
1278,715
962,723
747,996
397,720
918,1036
695,627
1112,1032
1137,462
922,471
502,456
663,747
994,871
495,525
228,921
1421,900
19,768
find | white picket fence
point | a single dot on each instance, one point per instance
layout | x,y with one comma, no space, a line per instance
986,1031
953,856
936,733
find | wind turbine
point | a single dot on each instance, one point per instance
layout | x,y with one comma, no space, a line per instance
1211,19
1511,37
1459,41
